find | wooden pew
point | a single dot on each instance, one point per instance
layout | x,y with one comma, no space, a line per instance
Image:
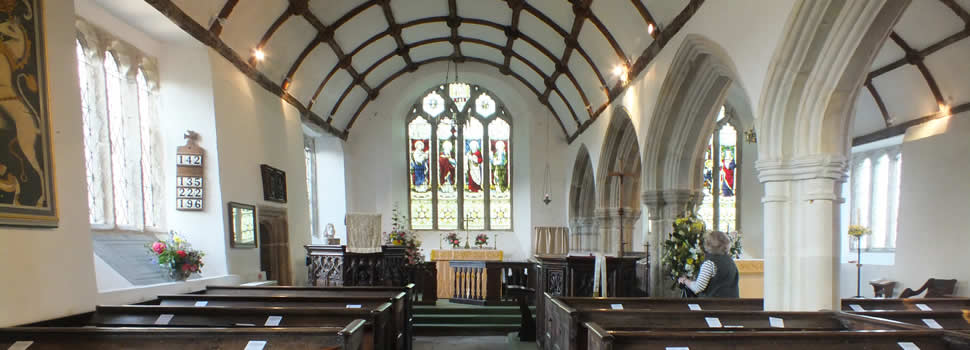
949,320
934,304
602,339
562,325
403,304
348,337
242,300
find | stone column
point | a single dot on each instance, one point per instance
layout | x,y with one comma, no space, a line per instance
663,208
609,222
801,225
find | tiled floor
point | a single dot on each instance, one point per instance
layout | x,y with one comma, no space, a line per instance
469,343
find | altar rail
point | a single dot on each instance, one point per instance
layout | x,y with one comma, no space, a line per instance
486,282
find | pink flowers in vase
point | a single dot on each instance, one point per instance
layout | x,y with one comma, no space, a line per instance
176,256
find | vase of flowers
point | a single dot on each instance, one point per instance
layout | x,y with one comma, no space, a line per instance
481,240
452,239
857,231
401,235
682,252
735,250
176,256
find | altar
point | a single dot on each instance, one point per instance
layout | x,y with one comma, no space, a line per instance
443,257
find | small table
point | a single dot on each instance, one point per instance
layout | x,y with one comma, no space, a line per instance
443,257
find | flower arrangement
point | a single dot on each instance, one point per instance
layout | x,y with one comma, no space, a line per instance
858,231
682,252
735,250
401,236
452,239
177,256
481,240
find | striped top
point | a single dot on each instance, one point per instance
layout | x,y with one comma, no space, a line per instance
708,270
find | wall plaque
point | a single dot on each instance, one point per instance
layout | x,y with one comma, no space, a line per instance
189,167
274,184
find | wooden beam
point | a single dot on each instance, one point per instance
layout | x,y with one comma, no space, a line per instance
900,129
952,39
915,58
879,103
196,30
647,17
216,26
959,11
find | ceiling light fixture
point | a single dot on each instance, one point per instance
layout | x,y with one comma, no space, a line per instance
650,28
259,55
944,110
620,71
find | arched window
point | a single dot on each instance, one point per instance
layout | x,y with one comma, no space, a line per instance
874,198
459,160
719,208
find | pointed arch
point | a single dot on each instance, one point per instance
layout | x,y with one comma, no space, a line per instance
618,183
582,204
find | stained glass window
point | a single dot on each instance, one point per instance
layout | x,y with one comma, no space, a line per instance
469,185
719,209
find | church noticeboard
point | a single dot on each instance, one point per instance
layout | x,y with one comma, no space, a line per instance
189,168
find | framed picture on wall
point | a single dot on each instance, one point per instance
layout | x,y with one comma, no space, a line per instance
274,184
27,193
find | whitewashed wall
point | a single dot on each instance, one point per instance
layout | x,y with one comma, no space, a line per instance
933,233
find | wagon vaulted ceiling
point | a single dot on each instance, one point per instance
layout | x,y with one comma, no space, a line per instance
330,58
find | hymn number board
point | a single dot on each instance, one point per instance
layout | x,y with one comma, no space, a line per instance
189,164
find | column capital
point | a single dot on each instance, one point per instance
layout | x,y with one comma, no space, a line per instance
821,166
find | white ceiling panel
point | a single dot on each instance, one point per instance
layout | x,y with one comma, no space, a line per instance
330,11
927,22
203,12
285,46
536,29
483,52
664,11
249,21
429,51
373,52
533,55
340,81
625,24
495,11
559,106
560,11
951,71
409,10
905,94
598,48
486,33
417,33
867,118
348,107
377,76
889,53
311,73
362,27
572,96
528,74
587,80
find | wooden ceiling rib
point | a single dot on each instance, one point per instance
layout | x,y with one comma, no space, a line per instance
326,34
208,38
916,58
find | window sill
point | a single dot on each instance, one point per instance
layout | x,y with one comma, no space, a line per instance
143,293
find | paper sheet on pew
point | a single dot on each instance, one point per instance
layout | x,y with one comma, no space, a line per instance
616,306
201,303
694,307
20,345
713,322
255,345
353,306
932,323
776,322
856,307
924,307
676,348
273,321
164,319
908,346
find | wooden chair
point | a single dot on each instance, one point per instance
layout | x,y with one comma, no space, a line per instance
527,329
934,288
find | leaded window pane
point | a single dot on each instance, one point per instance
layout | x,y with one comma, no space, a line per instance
419,156
474,189
447,174
500,190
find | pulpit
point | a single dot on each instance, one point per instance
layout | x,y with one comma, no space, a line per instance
573,276
446,276
331,265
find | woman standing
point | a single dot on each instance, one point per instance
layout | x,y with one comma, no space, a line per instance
718,277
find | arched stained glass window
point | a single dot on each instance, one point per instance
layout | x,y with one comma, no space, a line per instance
459,160
719,207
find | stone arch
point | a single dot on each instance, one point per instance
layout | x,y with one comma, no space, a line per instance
582,205
618,183
695,88
804,117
